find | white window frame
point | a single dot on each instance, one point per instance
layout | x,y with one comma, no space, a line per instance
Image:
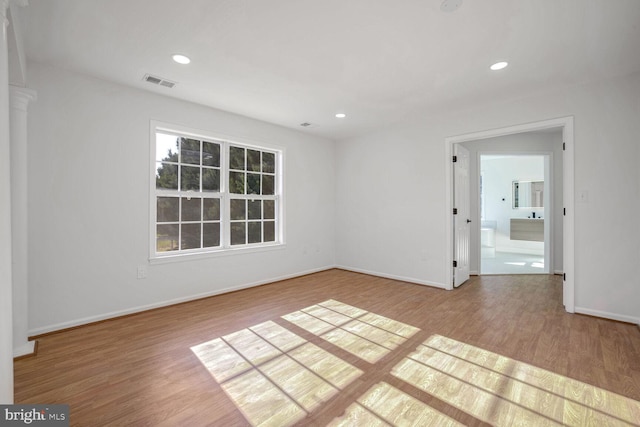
225,196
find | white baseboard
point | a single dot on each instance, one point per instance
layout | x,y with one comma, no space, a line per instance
113,314
25,349
558,272
393,276
608,315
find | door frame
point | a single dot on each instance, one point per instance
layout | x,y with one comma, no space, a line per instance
568,237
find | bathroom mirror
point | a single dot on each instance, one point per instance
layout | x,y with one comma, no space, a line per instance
528,194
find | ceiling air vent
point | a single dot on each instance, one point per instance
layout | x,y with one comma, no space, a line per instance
159,81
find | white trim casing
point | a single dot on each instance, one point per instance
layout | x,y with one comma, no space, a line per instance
566,124
154,257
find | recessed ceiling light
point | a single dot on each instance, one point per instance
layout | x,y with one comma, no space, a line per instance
499,65
181,59
341,115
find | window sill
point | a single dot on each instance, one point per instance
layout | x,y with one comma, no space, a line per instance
164,259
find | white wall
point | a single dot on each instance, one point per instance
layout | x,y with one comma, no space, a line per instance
529,142
88,197
89,202
391,191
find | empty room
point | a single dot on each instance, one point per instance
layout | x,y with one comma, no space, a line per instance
326,213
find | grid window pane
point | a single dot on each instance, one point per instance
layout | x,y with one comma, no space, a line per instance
238,233
167,209
268,162
210,180
269,209
255,232
236,158
190,151
188,171
166,176
191,209
236,182
210,154
238,209
190,236
211,209
189,178
253,183
255,209
268,186
167,238
253,160
167,147
211,234
269,231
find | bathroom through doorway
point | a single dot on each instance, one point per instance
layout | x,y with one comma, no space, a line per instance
514,196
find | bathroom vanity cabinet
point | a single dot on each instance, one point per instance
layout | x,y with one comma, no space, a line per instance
531,229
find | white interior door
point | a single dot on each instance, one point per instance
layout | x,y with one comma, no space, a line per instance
462,217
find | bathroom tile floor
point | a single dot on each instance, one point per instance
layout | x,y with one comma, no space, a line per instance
512,263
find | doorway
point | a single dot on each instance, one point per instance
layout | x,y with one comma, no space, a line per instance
515,191
565,126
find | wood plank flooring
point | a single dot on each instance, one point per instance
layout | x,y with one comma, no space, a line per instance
342,348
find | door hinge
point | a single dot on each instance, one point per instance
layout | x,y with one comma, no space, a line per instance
564,146
455,159
564,277
455,263
455,211
564,211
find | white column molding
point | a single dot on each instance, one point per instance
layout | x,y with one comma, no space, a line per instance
21,97
19,102
4,7
6,299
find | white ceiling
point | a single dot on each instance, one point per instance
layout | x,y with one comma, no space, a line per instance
380,61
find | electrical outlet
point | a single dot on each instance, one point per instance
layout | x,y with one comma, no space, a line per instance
142,272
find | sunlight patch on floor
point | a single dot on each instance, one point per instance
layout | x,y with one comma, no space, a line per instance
272,375
385,405
502,391
276,377
366,335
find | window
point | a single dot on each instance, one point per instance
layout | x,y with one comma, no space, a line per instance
252,177
211,195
